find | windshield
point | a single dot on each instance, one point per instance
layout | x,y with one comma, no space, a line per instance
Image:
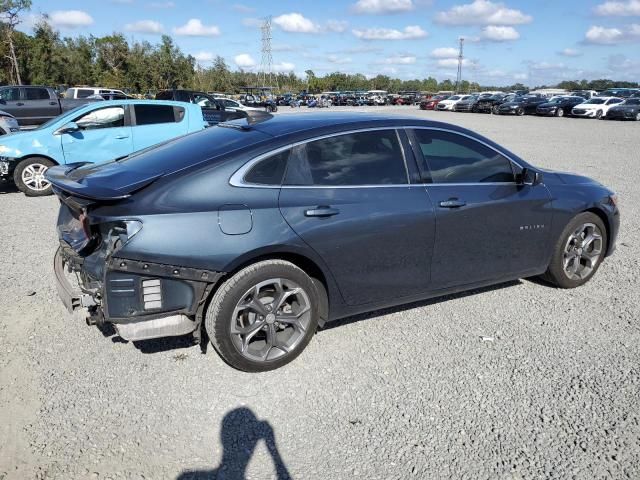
455,97
632,101
596,101
66,117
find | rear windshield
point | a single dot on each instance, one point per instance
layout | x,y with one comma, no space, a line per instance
186,151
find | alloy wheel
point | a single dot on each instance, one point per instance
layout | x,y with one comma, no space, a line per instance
583,251
270,319
560,112
33,177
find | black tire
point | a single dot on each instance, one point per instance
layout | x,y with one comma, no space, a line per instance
555,273
560,112
39,164
220,312
638,117
599,115
520,111
495,110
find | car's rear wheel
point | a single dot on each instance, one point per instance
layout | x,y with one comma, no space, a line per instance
520,111
599,114
263,316
495,110
560,112
29,176
578,252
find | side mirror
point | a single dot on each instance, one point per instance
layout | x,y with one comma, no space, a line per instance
70,127
530,177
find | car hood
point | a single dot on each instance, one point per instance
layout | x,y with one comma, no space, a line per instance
551,105
565,178
589,106
626,108
511,104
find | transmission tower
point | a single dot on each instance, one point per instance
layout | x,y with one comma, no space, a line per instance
266,65
460,58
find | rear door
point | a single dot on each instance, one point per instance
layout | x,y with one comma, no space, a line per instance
487,225
105,134
348,197
152,124
39,106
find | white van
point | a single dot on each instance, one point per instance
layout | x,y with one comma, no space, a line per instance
84,92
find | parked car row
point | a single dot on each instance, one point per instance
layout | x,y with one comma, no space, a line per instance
600,107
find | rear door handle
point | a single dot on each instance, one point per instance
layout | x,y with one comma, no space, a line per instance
19,104
453,203
321,211
53,103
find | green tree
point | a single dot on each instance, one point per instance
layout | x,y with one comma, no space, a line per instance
10,11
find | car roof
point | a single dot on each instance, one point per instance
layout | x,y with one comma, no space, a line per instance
134,101
310,123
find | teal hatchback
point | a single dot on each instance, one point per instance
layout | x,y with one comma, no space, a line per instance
95,133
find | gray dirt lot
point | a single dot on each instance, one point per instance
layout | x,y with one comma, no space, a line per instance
415,392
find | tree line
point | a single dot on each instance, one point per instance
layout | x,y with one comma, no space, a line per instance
47,58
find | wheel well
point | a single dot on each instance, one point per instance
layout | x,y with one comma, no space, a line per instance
27,157
300,261
605,221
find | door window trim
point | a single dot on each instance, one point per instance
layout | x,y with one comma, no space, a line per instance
237,179
447,130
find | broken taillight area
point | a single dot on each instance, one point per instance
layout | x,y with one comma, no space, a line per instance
74,229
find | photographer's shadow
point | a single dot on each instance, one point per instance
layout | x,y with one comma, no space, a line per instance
240,433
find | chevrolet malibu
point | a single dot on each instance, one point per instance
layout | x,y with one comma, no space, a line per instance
255,233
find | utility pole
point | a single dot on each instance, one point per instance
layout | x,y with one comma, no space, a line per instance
266,65
460,59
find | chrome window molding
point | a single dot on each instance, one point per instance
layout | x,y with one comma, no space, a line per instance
237,179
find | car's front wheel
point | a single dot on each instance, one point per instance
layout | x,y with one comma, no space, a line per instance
578,252
560,112
263,316
29,176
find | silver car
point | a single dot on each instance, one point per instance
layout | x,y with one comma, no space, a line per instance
8,123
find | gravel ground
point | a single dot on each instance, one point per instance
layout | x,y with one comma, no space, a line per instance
520,381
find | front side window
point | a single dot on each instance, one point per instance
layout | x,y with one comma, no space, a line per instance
154,114
108,117
361,158
454,158
614,100
84,93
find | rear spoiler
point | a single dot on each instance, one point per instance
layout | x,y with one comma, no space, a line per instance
59,178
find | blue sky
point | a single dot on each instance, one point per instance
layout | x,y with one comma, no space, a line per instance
533,42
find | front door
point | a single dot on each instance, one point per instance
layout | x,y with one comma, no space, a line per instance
349,199
12,103
39,107
488,227
104,135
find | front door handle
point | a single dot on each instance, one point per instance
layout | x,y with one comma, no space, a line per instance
453,203
122,137
53,103
19,104
321,211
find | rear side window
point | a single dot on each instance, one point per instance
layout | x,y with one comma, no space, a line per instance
37,94
154,114
269,171
362,158
453,158
84,93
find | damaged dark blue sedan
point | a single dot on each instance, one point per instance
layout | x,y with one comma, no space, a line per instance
254,233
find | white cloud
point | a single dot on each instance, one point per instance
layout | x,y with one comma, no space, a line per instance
204,57
612,36
619,9
339,60
195,28
496,33
408,33
244,60
546,66
243,8
570,52
145,26
251,22
295,22
382,6
283,67
162,5
70,19
399,60
482,12
337,26
453,62
444,52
